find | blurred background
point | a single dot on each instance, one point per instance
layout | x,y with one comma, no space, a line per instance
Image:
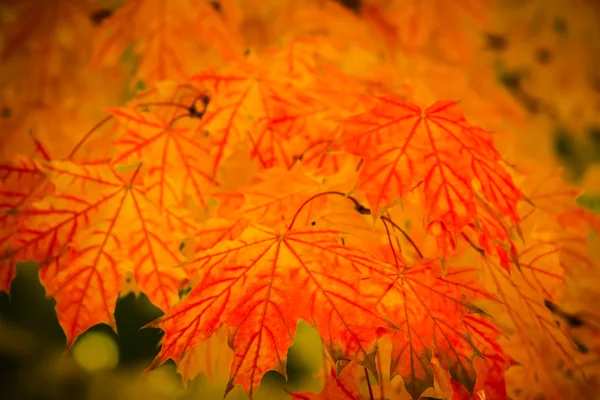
105,365
536,63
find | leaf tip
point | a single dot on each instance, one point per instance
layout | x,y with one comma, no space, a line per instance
158,361
230,387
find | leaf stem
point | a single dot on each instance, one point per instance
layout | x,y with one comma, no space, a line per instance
361,210
136,172
109,117
473,245
87,136
412,243
369,384
387,231
308,201
381,386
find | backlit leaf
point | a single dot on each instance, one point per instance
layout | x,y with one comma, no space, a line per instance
421,305
96,219
249,286
404,145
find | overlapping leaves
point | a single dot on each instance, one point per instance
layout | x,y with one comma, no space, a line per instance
225,183
96,221
405,146
250,286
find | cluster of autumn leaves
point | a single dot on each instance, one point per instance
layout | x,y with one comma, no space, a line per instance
314,166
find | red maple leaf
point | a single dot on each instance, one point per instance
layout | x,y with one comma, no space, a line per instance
195,183
404,146
250,286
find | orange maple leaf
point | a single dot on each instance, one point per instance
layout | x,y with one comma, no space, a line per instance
161,32
231,154
39,32
21,184
436,317
177,157
277,194
251,105
251,287
82,235
429,25
522,313
213,358
404,146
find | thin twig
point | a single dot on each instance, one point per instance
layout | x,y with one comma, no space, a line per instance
369,384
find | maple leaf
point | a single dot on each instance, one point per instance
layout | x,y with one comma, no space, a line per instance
205,235
249,286
354,382
55,124
82,235
299,58
44,42
49,35
435,317
276,139
161,32
537,341
403,145
269,207
494,234
430,24
327,25
177,157
261,204
235,153
346,93
248,104
322,157
542,336
22,183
